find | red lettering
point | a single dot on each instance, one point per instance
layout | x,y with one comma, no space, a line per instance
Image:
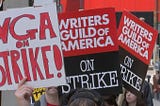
4,30
45,23
25,43
5,59
3,81
8,25
45,61
19,44
34,64
29,33
25,64
57,57
16,70
15,60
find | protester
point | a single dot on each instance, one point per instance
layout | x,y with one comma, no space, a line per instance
110,100
24,92
121,97
78,97
82,97
147,93
133,100
146,89
156,85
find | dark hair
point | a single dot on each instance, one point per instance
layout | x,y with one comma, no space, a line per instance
82,96
110,100
139,101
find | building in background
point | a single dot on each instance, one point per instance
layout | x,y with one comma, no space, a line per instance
15,4
119,5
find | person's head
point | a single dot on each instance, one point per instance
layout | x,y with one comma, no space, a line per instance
52,90
83,102
110,100
132,99
83,97
157,72
52,95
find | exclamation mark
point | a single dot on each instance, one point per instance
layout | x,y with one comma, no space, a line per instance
58,60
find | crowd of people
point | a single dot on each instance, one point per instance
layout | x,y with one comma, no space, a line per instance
79,97
87,97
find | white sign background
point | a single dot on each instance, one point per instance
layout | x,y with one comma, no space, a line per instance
20,28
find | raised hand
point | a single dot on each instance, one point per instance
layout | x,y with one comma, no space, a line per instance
23,93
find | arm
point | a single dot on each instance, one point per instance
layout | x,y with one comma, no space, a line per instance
23,93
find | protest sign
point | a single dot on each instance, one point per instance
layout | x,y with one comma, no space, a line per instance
136,40
30,46
36,94
90,49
